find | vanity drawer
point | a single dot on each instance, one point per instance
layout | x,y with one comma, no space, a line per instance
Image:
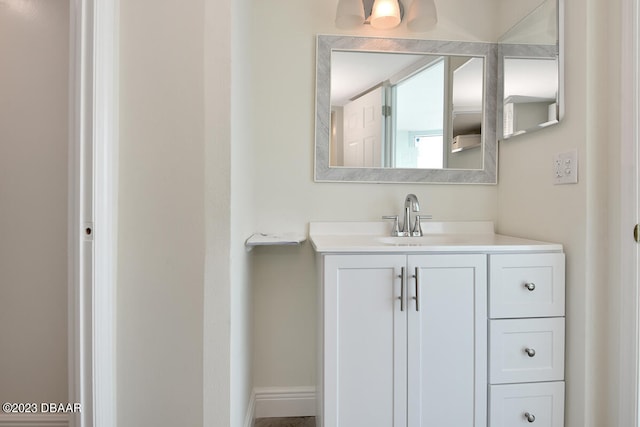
526,285
525,350
537,404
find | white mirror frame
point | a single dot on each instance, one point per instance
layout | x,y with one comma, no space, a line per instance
324,173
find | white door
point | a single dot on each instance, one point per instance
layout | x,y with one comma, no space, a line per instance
364,341
447,341
629,177
363,130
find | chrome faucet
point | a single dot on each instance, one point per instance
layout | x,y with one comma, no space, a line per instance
410,205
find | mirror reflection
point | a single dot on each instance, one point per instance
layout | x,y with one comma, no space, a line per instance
392,110
429,127
405,110
530,94
529,65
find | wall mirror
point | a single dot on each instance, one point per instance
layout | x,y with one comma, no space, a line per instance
521,92
530,72
397,110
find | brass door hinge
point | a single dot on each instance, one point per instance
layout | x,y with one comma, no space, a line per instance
636,233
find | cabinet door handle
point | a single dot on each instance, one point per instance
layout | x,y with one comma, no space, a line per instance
530,352
417,297
401,297
530,417
531,286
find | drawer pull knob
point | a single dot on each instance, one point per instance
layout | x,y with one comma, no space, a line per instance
531,286
530,417
530,352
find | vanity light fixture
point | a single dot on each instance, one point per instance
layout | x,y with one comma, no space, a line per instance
386,14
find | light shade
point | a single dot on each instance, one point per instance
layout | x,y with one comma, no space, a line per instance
385,14
350,13
422,15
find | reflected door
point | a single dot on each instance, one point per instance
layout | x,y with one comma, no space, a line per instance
363,130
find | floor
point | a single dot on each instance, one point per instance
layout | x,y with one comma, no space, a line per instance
286,422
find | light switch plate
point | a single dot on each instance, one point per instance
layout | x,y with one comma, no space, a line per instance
565,167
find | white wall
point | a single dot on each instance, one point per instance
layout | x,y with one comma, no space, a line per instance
217,101
228,133
217,376
286,197
243,134
34,65
581,216
161,214
525,203
184,295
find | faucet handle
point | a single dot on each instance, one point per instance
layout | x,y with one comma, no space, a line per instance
417,227
396,227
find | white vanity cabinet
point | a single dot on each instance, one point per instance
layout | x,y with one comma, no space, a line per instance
460,327
526,336
404,340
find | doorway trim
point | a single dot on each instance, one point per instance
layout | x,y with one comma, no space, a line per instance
629,337
93,210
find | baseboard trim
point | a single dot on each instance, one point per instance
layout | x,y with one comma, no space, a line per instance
34,420
284,402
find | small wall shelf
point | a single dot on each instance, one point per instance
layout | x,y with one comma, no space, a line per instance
274,239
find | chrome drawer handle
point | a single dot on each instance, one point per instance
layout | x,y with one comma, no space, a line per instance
531,286
530,352
417,297
401,297
530,417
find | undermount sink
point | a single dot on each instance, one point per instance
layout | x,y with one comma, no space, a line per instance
364,237
429,239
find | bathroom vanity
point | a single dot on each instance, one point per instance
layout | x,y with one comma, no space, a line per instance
460,327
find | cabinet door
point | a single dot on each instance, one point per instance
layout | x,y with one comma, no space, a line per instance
364,341
447,341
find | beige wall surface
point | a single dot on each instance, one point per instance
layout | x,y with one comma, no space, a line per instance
161,214
524,203
285,196
184,290
217,142
243,211
34,65
583,216
229,213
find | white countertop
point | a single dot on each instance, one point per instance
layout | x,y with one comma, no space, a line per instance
361,237
274,239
